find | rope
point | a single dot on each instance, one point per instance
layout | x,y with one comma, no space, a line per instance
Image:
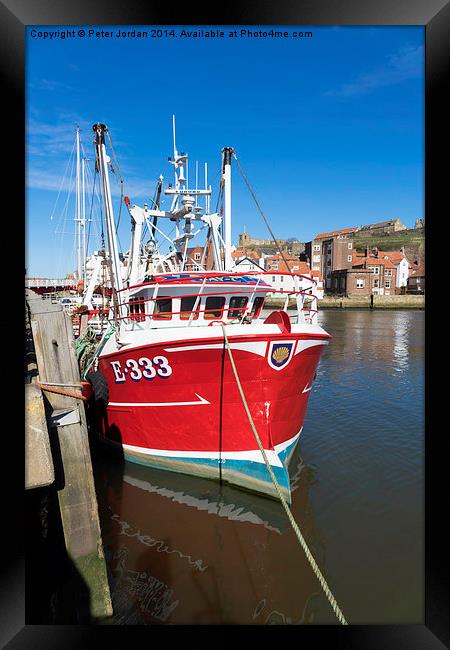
297,531
88,351
85,348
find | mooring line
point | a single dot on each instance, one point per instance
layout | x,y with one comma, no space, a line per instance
315,568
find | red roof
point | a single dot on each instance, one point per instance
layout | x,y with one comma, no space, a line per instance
416,270
303,267
252,255
316,274
373,261
395,256
335,233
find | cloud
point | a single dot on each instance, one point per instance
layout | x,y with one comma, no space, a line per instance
50,85
407,63
58,181
51,159
51,139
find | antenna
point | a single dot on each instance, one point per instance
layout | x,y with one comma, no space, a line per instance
196,182
206,187
175,152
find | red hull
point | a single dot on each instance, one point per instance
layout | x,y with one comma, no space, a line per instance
197,407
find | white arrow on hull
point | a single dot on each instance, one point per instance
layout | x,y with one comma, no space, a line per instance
201,400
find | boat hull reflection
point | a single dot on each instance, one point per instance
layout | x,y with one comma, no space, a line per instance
185,550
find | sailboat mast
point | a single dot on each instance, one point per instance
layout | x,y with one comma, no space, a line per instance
83,214
78,208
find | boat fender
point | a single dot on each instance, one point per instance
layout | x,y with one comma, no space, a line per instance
99,387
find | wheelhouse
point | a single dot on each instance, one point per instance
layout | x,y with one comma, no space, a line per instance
202,299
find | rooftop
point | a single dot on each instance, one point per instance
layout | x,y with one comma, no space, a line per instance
238,253
416,270
373,261
336,233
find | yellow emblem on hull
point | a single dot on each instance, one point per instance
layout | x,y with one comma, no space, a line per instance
280,354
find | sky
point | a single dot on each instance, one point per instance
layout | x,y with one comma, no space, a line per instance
328,129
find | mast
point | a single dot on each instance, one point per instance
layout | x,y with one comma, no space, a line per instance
102,161
226,175
83,216
78,208
156,205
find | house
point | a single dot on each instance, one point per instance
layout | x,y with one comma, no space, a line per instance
285,263
397,258
401,264
369,274
279,273
331,251
278,270
416,279
197,259
383,271
247,261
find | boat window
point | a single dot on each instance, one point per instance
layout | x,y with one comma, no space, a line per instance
187,305
257,306
237,306
137,309
214,307
163,309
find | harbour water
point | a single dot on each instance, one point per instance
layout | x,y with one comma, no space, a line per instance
189,551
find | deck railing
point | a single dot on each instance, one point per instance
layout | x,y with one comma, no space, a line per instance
306,306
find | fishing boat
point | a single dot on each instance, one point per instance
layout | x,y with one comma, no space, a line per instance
174,401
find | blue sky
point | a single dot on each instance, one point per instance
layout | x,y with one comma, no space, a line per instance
329,130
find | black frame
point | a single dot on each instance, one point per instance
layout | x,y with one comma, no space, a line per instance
434,15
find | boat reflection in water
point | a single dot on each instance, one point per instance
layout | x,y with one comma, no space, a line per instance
185,550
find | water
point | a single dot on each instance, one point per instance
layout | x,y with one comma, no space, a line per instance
188,551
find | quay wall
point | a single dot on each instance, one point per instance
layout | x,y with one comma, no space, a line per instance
360,302
373,302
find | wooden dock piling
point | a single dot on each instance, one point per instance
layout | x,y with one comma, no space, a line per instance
57,364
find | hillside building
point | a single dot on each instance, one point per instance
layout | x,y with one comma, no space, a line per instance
370,274
331,251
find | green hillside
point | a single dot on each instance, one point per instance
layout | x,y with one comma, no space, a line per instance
412,240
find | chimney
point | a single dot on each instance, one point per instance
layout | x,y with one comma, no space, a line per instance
375,251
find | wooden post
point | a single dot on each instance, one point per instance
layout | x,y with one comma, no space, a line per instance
57,363
38,457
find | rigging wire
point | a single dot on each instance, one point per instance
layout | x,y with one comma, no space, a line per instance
62,180
90,213
93,178
61,225
219,196
263,215
121,183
